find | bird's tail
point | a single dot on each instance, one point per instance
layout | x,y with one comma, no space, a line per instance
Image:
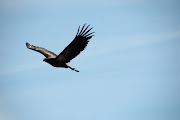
72,68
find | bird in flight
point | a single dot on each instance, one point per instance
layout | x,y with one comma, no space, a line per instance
71,51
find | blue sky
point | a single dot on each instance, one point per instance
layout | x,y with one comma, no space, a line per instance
130,69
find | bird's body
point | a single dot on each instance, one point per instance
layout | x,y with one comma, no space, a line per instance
55,63
71,51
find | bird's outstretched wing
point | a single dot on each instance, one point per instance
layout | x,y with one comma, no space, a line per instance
43,51
77,45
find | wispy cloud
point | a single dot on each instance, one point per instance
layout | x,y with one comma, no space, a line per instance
123,43
23,3
20,68
107,47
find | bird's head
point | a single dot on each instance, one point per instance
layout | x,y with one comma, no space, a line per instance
45,60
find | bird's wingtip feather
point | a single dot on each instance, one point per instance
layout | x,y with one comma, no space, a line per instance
84,32
28,45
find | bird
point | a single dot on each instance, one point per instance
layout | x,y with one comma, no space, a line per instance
78,44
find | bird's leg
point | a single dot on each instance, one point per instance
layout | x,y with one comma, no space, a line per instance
72,68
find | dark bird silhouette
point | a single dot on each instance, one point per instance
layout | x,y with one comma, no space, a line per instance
71,51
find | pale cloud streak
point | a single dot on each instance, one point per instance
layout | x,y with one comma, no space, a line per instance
117,44
20,68
62,3
123,43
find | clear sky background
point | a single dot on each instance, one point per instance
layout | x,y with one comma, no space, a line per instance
129,71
